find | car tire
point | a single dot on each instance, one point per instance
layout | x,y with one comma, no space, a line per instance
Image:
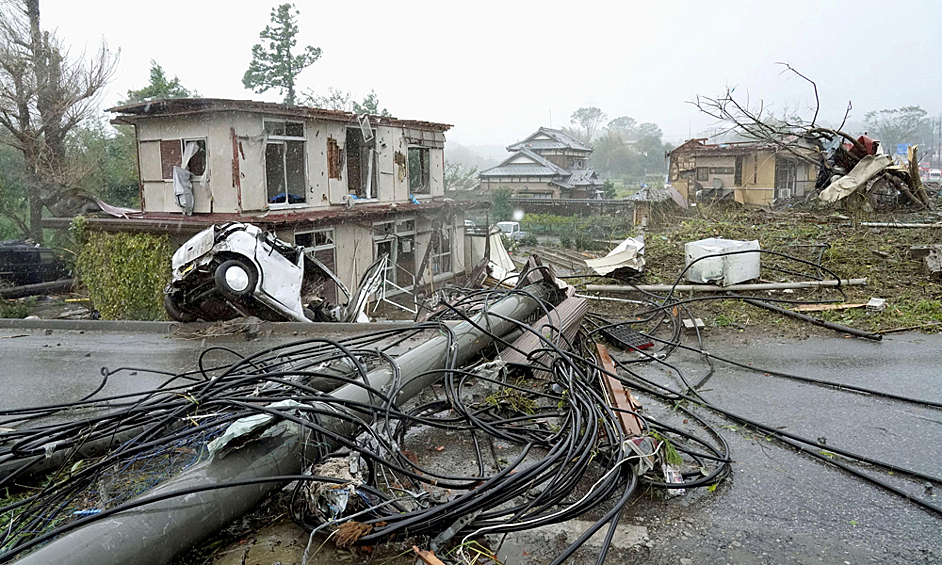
236,279
174,312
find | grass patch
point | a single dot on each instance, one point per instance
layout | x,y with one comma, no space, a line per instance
852,251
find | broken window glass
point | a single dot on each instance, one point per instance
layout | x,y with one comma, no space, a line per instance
361,165
172,154
285,172
441,252
418,170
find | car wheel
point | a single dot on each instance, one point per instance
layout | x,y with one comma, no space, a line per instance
174,311
236,278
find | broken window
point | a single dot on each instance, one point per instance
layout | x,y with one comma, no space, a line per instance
703,174
317,239
334,158
737,175
441,252
786,176
171,155
322,243
362,178
419,170
285,169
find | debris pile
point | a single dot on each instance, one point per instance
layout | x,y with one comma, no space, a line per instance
549,425
861,168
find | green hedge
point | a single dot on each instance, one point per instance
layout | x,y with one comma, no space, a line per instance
125,273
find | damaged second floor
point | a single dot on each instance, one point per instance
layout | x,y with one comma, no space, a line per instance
241,157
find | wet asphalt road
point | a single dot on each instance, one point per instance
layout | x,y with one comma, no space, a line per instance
778,507
786,507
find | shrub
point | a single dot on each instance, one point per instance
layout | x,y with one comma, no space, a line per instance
13,309
125,273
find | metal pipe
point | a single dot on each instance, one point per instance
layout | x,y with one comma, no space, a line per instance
155,533
715,288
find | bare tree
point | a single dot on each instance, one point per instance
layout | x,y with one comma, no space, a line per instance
589,120
44,94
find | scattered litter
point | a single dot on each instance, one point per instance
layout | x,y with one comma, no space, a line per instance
876,305
628,255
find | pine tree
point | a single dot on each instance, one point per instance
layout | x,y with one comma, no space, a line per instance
273,66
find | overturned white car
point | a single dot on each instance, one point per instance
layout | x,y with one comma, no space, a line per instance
236,269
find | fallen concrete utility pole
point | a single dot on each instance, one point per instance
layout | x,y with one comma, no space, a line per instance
715,288
815,321
154,533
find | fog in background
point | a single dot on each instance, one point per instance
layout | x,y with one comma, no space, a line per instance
499,70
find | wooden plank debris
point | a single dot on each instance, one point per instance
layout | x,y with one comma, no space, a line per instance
825,307
427,557
619,396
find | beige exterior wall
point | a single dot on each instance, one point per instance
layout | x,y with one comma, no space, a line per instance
219,193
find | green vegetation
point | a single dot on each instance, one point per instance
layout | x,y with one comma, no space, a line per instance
502,209
13,309
125,273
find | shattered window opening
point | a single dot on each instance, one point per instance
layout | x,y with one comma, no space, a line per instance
419,161
318,239
285,164
441,252
171,155
362,174
334,159
703,174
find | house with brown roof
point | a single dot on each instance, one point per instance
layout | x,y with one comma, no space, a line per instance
352,187
547,164
750,172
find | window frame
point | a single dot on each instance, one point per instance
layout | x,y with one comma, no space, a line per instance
276,139
426,169
182,141
437,254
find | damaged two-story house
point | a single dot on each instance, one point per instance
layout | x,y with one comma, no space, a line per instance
749,172
548,164
352,187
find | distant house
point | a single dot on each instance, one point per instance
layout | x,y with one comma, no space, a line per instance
750,172
348,187
547,164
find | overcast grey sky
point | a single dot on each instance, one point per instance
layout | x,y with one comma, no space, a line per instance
499,70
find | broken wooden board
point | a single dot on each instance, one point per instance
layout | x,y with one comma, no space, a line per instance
427,557
619,396
826,307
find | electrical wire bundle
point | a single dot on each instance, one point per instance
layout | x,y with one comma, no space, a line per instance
655,312
560,433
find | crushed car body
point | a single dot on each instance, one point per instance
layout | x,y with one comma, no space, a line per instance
236,269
